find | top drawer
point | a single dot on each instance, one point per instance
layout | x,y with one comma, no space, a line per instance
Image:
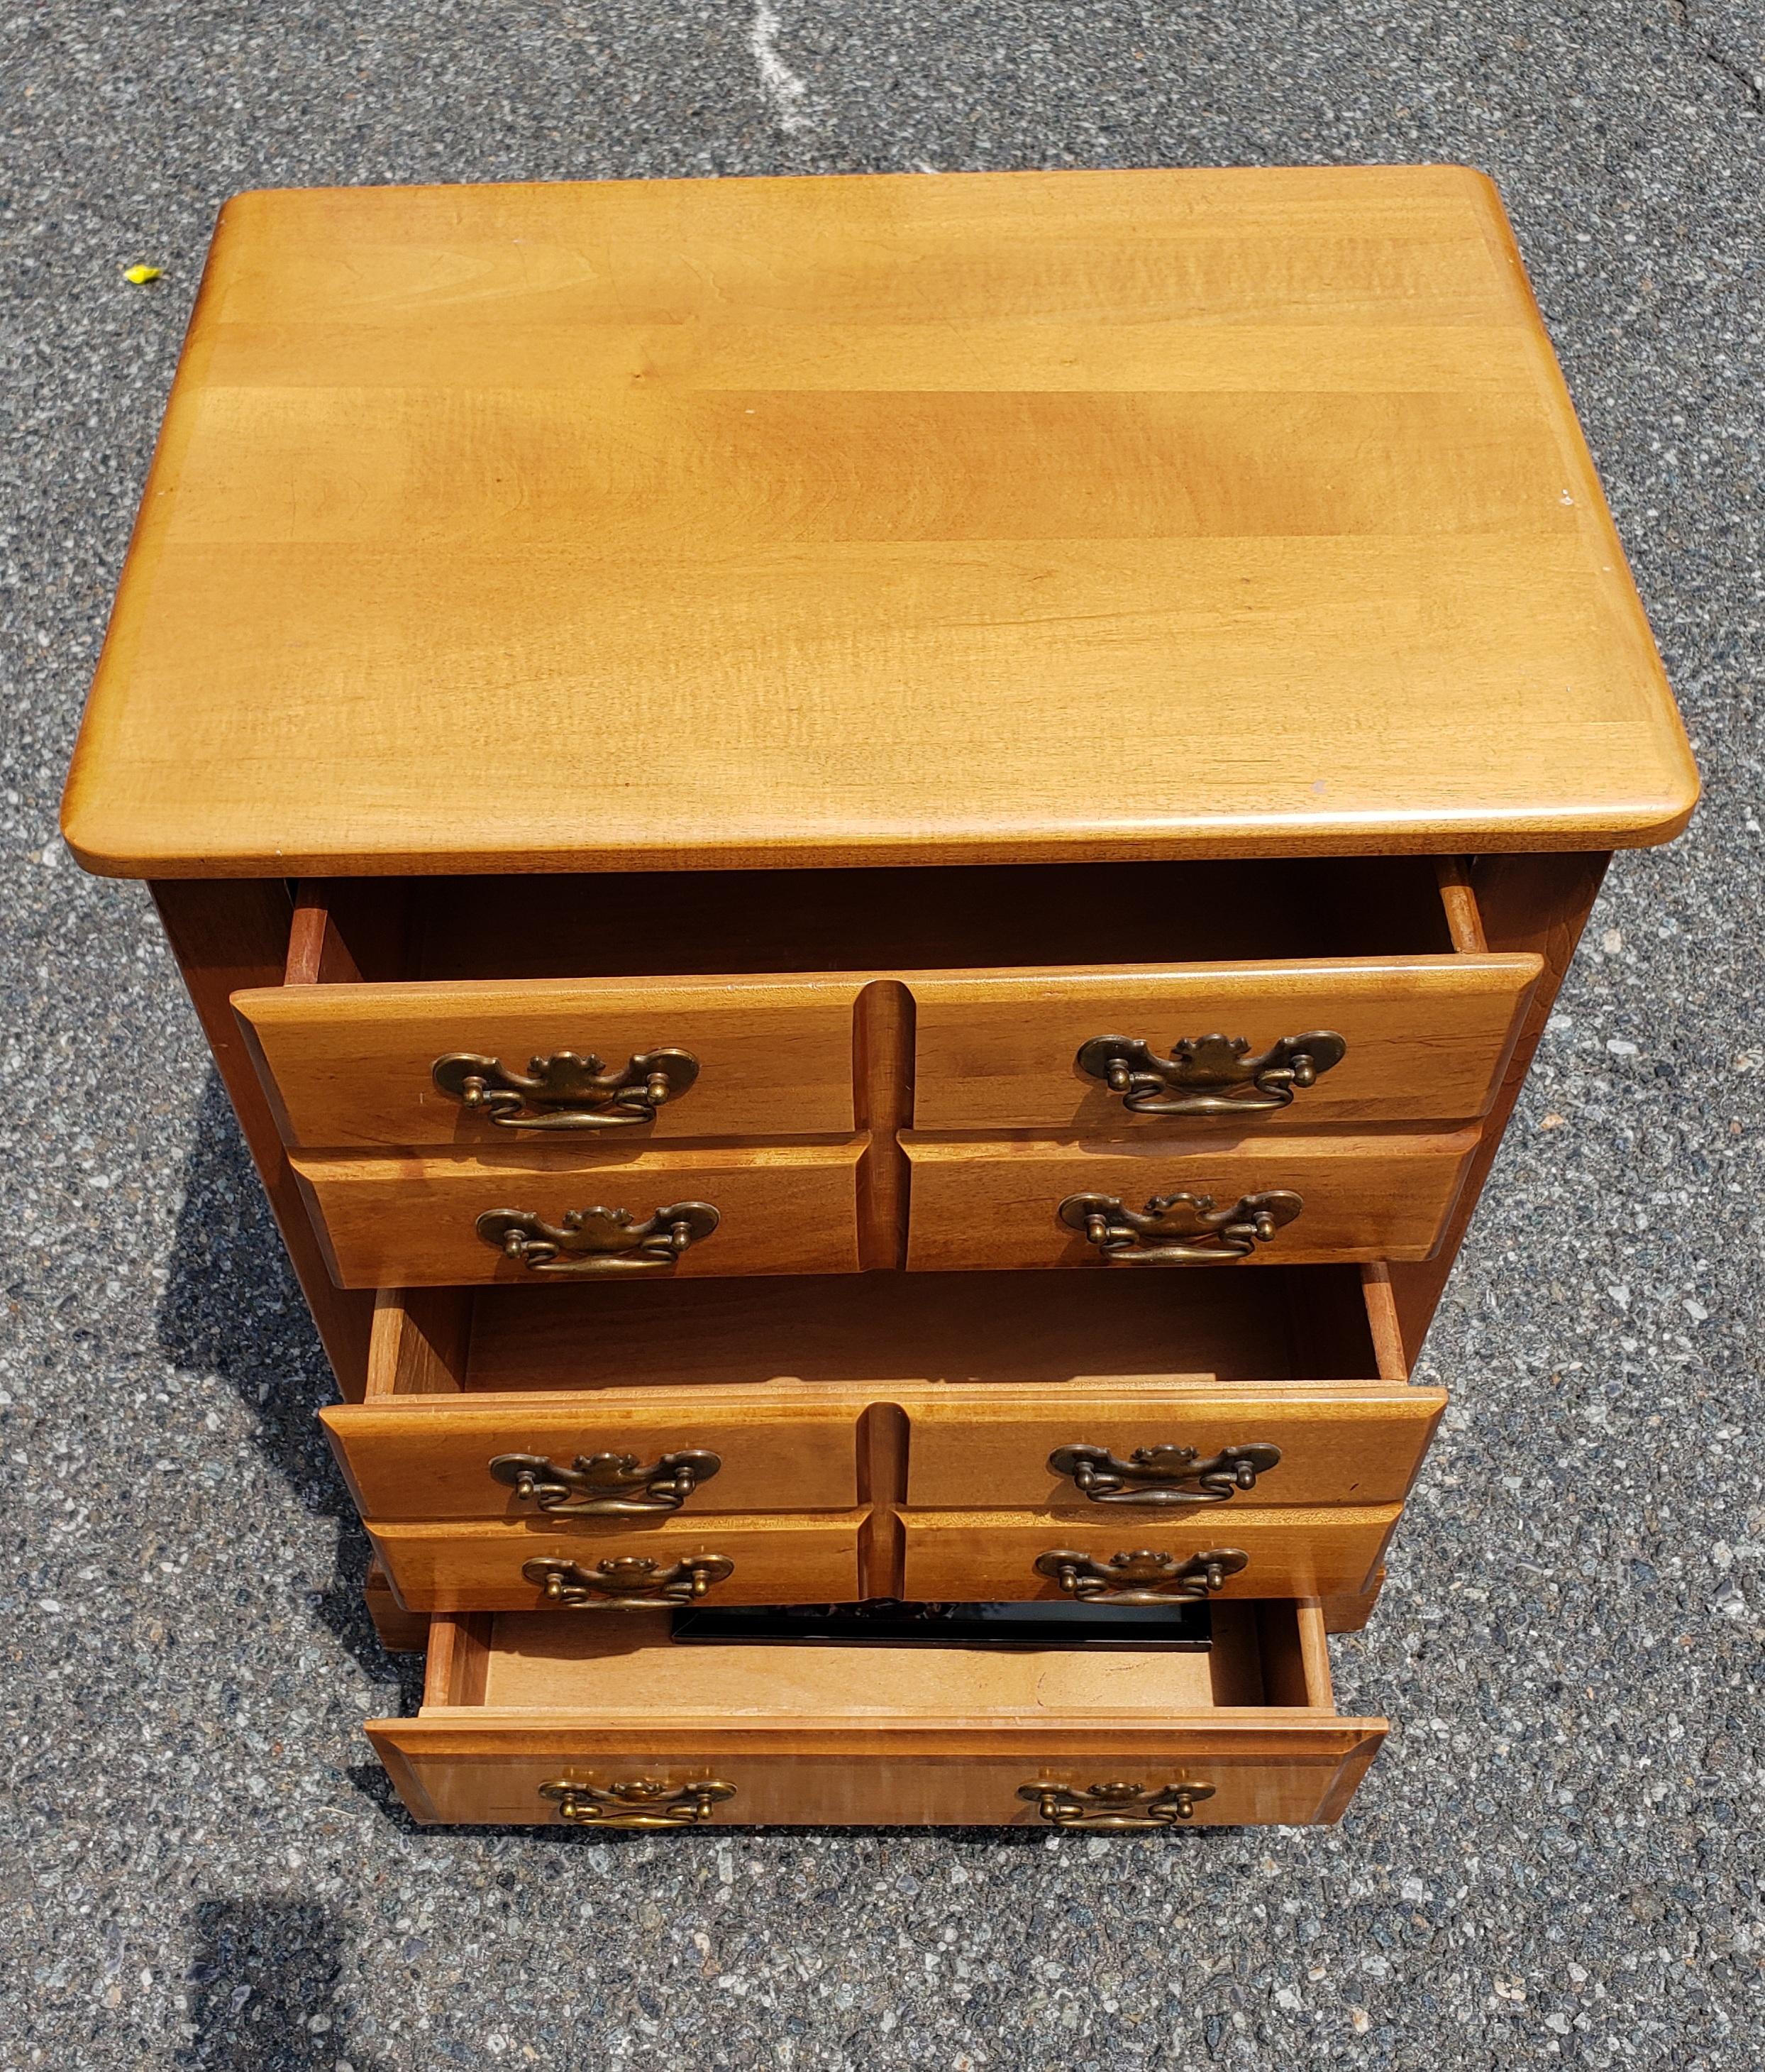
1097,1002
1128,1051
359,1065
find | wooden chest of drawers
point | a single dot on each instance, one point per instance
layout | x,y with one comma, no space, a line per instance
873,863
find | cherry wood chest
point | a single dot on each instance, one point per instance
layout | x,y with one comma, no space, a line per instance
873,862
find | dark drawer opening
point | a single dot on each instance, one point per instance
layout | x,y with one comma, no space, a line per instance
877,1332
648,923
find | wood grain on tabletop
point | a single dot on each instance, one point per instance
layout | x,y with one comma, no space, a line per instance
984,517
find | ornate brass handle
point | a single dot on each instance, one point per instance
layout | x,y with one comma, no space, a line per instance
1210,1074
605,1485
627,1582
1142,1577
564,1091
1178,1230
1163,1474
637,1802
1115,1808
598,1240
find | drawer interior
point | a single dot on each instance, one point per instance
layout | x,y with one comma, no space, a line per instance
1270,1654
880,1331
520,1711
637,924
929,1406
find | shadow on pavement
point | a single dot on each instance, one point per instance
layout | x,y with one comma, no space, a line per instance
232,1307
263,1985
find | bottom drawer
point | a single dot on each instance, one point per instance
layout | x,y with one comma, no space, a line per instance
536,1719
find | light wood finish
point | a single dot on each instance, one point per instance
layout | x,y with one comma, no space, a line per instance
421,1343
399,1632
1186,595
885,1067
990,1555
783,1449
1427,1037
390,1221
1348,1443
1352,1612
695,523
1383,1324
655,1374
988,1204
882,1484
878,1735
347,1064
469,1564
345,929
1459,902
224,937
350,1065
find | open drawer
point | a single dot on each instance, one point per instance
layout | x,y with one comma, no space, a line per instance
532,1720
916,1419
742,1006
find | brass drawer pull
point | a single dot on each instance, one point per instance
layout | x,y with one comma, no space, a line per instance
1178,1230
627,1582
605,1485
1210,1074
1163,1474
598,1240
1115,1808
637,1802
1142,1577
564,1091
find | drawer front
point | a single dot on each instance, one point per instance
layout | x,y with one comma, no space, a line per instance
976,1448
351,1065
976,1204
688,1452
388,1222
963,1556
1299,1774
1426,1039
462,1565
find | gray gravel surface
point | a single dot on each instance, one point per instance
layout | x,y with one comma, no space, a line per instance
1556,1859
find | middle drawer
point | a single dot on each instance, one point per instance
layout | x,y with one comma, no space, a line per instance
816,1439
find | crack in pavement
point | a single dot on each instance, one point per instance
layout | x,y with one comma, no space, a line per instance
784,91
1709,49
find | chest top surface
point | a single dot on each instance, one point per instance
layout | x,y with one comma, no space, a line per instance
965,518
